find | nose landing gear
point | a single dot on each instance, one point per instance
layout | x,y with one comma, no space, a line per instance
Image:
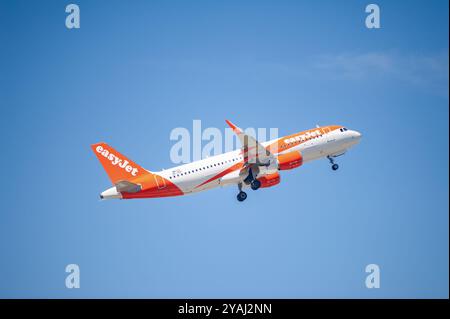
334,166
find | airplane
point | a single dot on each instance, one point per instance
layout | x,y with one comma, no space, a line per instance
255,165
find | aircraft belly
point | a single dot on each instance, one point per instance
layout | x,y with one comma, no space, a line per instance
230,179
310,154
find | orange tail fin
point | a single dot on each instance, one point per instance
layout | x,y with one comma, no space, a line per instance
116,165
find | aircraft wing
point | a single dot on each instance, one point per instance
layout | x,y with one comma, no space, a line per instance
254,153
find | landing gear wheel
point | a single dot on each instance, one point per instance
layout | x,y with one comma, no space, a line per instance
241,196
255,184
334,167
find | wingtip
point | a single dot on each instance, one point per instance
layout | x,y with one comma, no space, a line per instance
231,124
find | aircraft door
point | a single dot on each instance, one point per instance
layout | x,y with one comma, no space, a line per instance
161,182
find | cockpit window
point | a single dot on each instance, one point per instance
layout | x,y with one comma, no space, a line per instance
344,129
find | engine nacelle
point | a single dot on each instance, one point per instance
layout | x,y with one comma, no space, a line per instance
289,160
269,180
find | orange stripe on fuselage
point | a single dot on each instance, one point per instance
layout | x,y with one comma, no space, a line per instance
223,173
153,185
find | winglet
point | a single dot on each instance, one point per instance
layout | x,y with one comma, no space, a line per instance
233,127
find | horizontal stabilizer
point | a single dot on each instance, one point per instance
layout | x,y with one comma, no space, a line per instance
126,186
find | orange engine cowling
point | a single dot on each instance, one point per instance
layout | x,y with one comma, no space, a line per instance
270,180
290,160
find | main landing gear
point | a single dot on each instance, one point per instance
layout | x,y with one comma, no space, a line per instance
241,196
334,166
254,184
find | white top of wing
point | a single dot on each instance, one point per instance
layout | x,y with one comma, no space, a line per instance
254,152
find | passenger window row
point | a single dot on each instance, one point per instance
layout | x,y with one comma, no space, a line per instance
192,171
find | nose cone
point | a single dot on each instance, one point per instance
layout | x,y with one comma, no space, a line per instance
355,136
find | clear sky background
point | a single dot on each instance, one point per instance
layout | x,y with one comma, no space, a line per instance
137,69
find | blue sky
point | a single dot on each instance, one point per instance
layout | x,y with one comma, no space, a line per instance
136,70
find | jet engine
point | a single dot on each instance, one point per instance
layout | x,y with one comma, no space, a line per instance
289,160
269,180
